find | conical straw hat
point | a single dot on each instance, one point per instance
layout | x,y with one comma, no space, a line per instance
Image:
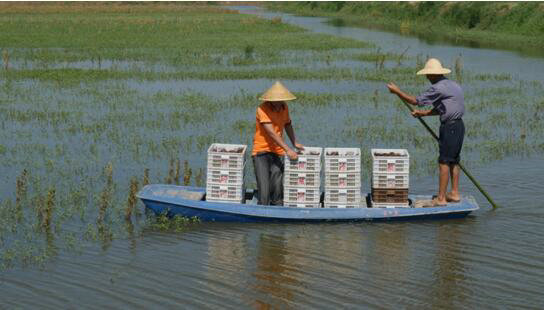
433,66
277,92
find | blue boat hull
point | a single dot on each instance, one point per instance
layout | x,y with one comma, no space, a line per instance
165,199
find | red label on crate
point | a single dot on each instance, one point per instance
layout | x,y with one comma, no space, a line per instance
301,180
390,167
300,196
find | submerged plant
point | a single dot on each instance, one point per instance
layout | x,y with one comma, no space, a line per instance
20,194
176,223
248,51
177,176
459,68
48,211
131,201
199,177
146,177
171,177
187,172
5,59
106,196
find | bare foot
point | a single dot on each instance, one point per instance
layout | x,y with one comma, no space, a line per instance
439,203
453,198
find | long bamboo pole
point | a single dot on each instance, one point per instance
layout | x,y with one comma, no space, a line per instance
422,121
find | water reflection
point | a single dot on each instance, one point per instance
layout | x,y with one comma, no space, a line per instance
449,276
273,275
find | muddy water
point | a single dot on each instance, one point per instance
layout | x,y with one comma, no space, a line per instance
492,259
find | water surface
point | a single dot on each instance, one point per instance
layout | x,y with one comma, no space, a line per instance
492,259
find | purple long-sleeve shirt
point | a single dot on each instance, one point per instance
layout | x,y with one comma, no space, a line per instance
446,97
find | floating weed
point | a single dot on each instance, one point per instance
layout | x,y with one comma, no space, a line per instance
176,223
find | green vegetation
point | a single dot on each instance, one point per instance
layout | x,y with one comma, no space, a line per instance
502,24
136,94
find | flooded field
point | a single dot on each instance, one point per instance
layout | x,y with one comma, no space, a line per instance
95,105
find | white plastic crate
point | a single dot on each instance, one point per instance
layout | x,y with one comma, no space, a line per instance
390,161
340,206
308,160
301,179
226,156
302,205
233,193
343,180
342,159
343,196
225,177
388,180
301,195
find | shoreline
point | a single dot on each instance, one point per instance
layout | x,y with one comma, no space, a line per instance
390,17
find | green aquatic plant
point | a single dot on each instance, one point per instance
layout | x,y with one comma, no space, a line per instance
176,223
171,177
199,177
177,175
187,172
146,177
5,59
459,69
48,210
20,196
131,201
106,195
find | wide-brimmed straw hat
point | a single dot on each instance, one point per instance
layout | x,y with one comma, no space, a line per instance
277,92
433,66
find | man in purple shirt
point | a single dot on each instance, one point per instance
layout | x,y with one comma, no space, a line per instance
446,98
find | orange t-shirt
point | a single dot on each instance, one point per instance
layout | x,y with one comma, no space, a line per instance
262,142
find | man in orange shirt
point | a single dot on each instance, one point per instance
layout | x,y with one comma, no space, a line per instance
269,146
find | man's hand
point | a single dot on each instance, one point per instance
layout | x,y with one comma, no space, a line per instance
393,88
299,146
292,155
419,113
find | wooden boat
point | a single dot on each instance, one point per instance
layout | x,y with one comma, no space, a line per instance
190,202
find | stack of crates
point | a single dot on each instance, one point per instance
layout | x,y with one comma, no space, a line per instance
342,177
225,174
390,177
302,179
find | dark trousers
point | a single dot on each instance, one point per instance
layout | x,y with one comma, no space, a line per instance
450,141
269,175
